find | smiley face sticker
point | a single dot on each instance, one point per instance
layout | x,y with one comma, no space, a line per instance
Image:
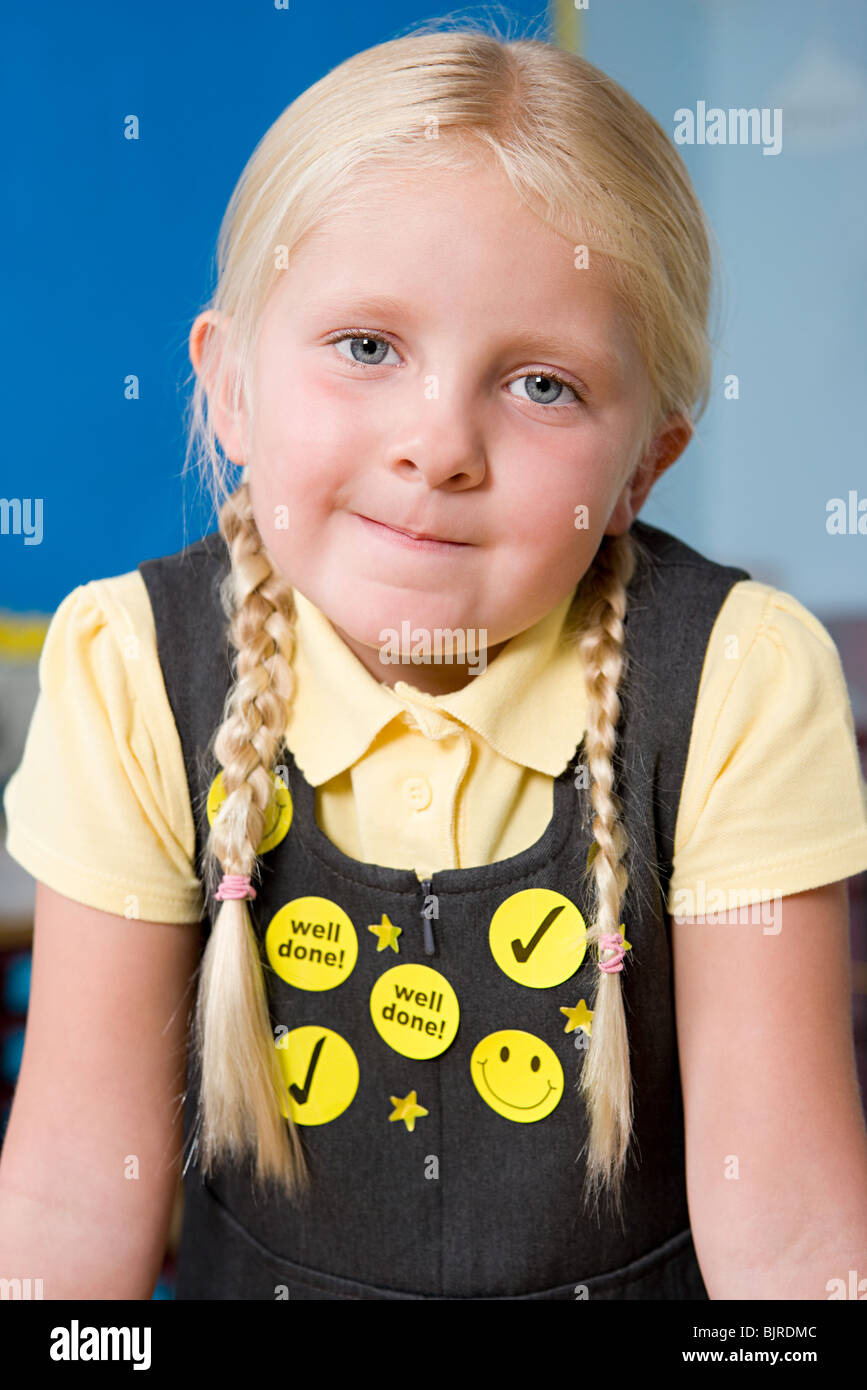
538,937
518,1075
321,1074
278,816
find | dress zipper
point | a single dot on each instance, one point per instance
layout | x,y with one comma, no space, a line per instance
426,922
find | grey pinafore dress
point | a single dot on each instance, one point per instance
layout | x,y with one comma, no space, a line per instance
429,1028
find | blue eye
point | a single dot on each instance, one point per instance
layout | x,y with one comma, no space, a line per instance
365,349
542,384
368,350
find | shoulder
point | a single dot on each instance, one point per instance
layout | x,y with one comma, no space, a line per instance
187,573
766,606
102,763
107,620
773,783
675,595
659,551
99,668
762,631
188,605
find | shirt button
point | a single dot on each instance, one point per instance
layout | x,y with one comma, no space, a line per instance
418,793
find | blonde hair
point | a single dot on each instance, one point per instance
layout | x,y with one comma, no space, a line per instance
596,166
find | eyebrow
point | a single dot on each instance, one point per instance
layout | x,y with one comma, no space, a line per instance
531,342
598,357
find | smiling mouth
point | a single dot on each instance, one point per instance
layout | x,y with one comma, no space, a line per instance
413,538
534,1106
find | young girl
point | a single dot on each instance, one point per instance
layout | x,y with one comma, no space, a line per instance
465,770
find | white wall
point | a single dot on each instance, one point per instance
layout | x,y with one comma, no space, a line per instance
753,488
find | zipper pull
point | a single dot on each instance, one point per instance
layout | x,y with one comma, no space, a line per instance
426,923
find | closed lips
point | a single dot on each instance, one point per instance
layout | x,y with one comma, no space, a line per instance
413,535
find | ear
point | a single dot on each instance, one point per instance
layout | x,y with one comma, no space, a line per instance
664,449
208,338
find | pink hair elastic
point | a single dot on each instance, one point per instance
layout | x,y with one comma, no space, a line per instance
612,941
235,886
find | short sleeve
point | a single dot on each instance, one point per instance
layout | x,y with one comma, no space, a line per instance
98,808
773,799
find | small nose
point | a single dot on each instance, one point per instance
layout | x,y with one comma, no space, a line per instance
444,442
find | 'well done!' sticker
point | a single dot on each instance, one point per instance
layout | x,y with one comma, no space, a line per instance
415,1010
311,943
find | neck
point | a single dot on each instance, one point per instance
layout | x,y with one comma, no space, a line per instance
434,677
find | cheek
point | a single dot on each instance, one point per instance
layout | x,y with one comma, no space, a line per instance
558,506
547,547
308,437
294,412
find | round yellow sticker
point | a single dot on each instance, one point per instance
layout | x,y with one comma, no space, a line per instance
321,1074
415,1010
278,816
311,943
517,1074
538,937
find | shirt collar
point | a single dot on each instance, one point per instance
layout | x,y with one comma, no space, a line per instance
528,704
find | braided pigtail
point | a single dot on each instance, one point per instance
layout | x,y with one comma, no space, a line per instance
605,1077
241,1085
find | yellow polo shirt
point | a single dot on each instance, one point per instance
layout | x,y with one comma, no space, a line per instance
773,799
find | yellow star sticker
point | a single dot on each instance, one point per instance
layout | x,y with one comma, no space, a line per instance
387,933
579,1017
406,1109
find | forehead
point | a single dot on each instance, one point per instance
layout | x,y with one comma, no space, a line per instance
458,245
